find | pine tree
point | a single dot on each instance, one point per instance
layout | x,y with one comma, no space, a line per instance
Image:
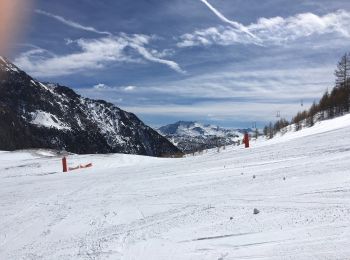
266,130
270,130
342,73
333,103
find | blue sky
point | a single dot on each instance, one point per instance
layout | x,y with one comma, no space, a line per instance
227,62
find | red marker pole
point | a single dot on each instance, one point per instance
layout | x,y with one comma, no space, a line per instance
246,140
64,164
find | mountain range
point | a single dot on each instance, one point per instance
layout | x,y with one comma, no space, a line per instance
42,115
191,136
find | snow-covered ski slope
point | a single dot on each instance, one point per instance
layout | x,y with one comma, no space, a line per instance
134,207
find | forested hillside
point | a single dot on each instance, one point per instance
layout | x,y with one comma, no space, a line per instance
333,103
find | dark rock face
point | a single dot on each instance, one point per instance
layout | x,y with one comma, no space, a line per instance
37,115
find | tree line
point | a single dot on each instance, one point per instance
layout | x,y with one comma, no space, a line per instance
332,104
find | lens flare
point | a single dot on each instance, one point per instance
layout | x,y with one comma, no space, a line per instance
13,15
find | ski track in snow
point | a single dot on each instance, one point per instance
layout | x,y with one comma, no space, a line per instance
134,207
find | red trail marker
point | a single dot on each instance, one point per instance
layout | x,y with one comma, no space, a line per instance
246,140
64,164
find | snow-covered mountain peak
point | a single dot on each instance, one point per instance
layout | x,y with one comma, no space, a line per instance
44,115
193,129
7,67
192,136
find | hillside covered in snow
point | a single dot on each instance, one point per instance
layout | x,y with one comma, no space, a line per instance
200,207
37,115
191,136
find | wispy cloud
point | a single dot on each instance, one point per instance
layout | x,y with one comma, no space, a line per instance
71,23
254,94
105,88
222,35
92,54
138,42
274,31
219,111
235,24
144,102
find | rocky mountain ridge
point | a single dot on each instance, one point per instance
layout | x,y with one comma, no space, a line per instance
38,115
191,136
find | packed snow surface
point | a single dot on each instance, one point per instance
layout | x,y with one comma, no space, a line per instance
201,207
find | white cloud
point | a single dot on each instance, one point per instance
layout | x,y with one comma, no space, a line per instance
239,95
280,85
100,86
273,31
235,24
105,88
138,43
226,111
92,54
71,23
222,35
129,88
283,82
282,30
